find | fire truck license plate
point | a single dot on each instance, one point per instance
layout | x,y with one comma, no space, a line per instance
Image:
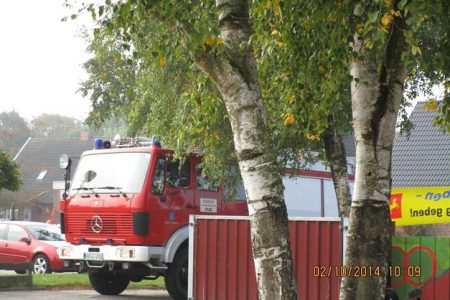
93,256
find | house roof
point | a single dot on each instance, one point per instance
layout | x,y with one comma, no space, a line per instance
39,165
423,158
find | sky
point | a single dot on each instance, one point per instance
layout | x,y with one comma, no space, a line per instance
41,59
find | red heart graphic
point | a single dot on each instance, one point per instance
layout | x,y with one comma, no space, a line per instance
405,278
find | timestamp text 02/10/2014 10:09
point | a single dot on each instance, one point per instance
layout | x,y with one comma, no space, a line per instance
366,271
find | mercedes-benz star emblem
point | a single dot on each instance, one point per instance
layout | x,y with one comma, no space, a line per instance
96,224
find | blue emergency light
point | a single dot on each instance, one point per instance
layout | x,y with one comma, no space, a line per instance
98,144
154,141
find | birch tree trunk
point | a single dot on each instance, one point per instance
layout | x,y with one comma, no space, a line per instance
336,157
375,103
235,76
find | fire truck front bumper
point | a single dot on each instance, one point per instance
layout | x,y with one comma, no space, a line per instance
108,253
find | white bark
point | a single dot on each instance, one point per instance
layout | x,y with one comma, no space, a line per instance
375,103
236,78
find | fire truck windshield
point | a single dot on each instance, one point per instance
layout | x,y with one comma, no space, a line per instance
110,173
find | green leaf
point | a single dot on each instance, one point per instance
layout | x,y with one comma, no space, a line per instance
402,4
415,50
373,16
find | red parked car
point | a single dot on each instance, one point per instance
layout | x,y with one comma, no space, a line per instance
24,242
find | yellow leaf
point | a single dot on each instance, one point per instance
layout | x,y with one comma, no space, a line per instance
369,44
431,105
386,19
396,13
333,16
384,29
210,41
275,32
290,99
216,134
162,61
219,40
359,28
312,137
289,119
279,44
276,8
321,69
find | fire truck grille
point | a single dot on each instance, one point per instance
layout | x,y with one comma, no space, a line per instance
100,225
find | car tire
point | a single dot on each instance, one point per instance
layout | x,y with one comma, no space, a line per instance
108,283
41,264
176,278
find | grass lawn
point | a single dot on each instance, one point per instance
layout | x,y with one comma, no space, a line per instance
78,281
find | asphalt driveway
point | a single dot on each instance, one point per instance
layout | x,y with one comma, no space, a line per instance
83,294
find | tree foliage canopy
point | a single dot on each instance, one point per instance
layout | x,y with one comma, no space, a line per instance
52,125
143,68
14,132
9,173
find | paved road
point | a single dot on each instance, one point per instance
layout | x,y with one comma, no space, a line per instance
83,294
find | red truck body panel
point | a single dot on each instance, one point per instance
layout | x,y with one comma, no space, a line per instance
167,212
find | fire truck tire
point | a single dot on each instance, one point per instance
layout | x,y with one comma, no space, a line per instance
108,283
176,278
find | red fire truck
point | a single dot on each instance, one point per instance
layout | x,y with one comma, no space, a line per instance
126,214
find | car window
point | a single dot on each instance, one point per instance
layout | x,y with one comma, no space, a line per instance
232,192
46,232
158,177
178,176
15,233
2,231
204,183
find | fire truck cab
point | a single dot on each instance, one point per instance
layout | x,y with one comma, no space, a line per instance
126,214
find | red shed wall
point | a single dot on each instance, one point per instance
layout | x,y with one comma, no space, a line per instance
223,262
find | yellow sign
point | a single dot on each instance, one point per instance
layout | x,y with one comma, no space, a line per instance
418,206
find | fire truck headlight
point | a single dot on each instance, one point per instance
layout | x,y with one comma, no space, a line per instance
126,252
64,251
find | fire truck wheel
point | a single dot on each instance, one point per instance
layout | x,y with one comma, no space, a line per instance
108,283
176,278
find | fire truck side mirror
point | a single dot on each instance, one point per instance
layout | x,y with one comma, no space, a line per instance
65,162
